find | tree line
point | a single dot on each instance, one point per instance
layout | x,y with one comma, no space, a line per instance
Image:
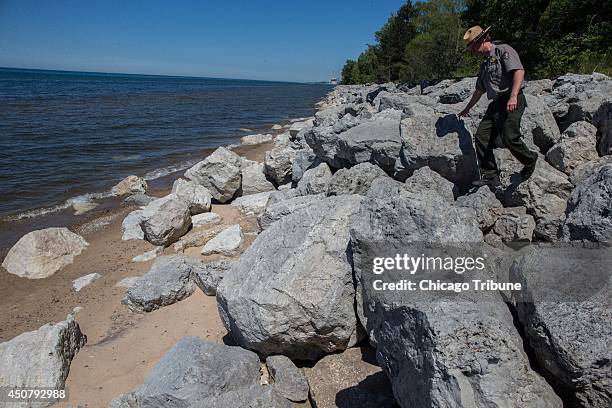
423,40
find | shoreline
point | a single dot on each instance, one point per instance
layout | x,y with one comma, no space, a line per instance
13,227
118,354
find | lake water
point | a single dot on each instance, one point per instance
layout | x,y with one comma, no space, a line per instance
69,134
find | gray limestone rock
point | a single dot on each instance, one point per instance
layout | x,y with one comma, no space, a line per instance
220,173
602,119
305,159
40,358
486,207
441,142
538,124
315,180
291,292
564,306
227,242
254,180
197,373
208,275
196,197
130,185
289,381
439,348
277,210
576,147
589,215
168,281
354,180
544,194
253,203
514,226
41,253
278,164
84,281
166,220
427,181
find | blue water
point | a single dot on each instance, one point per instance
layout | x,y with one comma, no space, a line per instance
64,134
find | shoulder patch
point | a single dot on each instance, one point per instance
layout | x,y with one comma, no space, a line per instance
505,55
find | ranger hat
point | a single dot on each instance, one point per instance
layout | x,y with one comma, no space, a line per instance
473,34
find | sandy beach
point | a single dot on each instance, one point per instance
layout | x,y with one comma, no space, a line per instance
122,346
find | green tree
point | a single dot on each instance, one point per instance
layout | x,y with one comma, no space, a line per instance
436,51
366,69
392,39
347,72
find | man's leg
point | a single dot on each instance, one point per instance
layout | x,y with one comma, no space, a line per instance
484,140
511,136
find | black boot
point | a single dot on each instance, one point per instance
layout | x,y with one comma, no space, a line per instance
528,170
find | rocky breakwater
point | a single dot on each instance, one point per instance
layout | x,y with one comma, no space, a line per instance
380,171
385,170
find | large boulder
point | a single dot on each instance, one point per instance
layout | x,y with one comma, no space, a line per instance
254,180
315,180
169,280
197,373
130,185
220,173
353,140
425,180
354,180
277,210
40,358
130,226
576,147
408,104
438,348
196,197
41,253
538,125
165,220
588,209
291,292
486,207
544,194
565,309
577,98
441,142
305,159
453,93
278,164
297,127
514,225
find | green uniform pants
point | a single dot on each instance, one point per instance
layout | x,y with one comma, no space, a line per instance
498,120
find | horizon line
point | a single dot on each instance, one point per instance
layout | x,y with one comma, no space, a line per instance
161,75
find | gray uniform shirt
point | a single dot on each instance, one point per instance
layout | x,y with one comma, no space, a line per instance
495,76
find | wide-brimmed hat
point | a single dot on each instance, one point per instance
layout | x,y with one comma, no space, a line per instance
474,34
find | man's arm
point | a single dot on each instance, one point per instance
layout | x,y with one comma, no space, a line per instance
517,79
473,101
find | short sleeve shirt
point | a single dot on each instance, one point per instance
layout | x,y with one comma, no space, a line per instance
496,71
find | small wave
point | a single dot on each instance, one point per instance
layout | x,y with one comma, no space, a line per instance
164,171
81,199
127,157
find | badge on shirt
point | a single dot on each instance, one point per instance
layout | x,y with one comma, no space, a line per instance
493,60
505,55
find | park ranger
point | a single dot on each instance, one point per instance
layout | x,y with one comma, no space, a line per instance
501,78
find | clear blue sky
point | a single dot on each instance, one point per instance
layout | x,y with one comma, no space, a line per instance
293,40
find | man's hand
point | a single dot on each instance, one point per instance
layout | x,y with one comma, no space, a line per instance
465,112
512,102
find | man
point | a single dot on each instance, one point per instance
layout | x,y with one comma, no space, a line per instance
501,77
